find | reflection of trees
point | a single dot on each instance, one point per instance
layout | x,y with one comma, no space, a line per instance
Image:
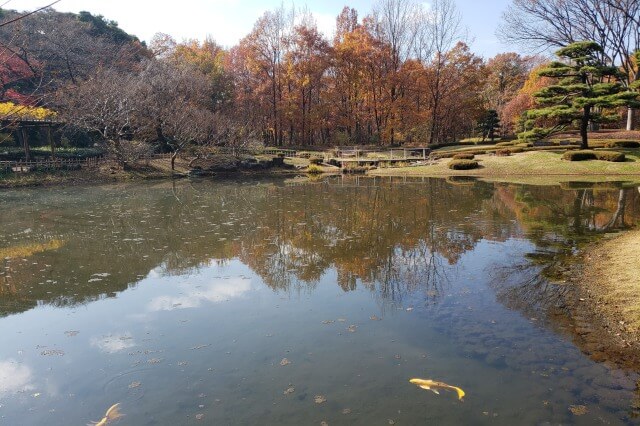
559,222
391,238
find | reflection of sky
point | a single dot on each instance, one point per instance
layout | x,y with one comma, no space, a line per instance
193,294
14,377
113,343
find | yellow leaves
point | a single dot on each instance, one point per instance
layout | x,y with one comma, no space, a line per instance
29,250
13,111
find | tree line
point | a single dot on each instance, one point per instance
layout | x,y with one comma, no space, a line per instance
404,74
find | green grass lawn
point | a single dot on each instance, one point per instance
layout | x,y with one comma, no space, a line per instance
540,165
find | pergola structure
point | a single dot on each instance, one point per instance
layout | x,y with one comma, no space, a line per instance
21,126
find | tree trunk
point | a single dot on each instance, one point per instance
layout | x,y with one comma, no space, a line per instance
631,118
584,128
173,161
25,143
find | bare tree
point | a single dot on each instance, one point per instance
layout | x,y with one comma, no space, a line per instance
105,105
173,103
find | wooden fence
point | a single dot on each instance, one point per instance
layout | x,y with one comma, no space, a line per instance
51,164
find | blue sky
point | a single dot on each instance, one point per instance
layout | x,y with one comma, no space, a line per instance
229,20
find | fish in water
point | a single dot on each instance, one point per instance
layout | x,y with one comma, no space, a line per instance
433,386
112,414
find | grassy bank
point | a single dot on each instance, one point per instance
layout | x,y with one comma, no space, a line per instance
544,164
612,275
602,300
144,170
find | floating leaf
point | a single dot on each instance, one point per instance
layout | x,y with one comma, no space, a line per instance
319,399
289,390
284,362
578,410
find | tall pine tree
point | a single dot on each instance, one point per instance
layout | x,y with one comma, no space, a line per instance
586,87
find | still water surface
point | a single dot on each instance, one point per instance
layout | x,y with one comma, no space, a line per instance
250,302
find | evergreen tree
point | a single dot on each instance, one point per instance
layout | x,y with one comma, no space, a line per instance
489,124
586,87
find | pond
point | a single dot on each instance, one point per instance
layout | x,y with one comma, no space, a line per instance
290,302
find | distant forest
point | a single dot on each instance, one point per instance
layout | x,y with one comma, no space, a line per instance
404,74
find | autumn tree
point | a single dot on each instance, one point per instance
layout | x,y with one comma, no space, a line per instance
585,87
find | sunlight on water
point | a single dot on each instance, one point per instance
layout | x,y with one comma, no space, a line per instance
268,302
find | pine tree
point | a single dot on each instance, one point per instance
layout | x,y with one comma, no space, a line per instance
489,124
586,87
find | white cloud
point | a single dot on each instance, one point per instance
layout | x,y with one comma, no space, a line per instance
193,297
113,343
14,377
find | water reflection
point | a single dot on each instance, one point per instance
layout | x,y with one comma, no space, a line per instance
86,244
184,297
14,377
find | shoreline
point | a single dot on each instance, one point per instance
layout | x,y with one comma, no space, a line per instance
603,301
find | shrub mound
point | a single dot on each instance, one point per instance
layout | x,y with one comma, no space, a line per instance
579,155
516,150
503,152
613,156
623,144
464,156
314,169
463,164
315,161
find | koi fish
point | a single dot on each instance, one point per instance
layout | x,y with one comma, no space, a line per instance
433,386
112,414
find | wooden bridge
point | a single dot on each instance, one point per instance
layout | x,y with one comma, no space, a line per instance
369,156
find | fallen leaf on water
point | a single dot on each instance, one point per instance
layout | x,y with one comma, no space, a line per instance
71,333
374,318
319,399
328,322
392,422
289,390
342,320
323,423
134,385
284,362
346,411
578,410
409,309
199,416
195,348
352,328
154,361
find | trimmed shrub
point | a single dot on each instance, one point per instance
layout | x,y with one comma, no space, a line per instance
579,156
503,152
623,144
614,157
463,164
516,150
314,169
464,156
